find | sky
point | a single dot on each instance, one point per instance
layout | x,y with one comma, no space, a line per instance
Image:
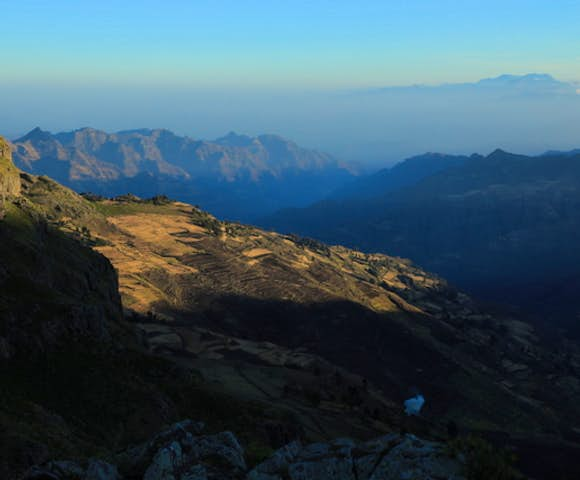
204,67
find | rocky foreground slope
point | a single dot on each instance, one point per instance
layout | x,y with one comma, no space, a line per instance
184,452
273,337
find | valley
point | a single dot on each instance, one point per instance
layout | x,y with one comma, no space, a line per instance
305,240
503,227
319,341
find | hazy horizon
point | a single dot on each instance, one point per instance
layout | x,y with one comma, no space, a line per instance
205,68
370,126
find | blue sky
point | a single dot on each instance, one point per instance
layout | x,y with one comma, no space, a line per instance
285,44
205,67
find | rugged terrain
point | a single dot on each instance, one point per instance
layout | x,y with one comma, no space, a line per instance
504,227
236,176
184,451
271,336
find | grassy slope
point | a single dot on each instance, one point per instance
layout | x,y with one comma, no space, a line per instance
358,311
74,397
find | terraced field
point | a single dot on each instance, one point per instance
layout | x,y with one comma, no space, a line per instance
319,340
249,309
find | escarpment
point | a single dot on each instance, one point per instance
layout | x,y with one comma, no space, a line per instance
52,285
9,175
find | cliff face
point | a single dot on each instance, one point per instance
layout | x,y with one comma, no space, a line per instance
52,286
56,294
9,175
59,292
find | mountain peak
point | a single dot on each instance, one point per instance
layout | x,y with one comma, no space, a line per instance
500,155
86,130
35,134
4,149
233,139
514,80
136,131
498,151
9,175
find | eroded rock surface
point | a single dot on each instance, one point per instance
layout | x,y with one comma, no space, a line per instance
9,174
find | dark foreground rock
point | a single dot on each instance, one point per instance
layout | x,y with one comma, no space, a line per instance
183,452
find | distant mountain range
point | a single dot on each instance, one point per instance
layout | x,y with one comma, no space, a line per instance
235,177
535,84
502,226
403,174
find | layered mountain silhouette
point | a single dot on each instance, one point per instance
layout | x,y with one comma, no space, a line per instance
236,177
403,174
501,226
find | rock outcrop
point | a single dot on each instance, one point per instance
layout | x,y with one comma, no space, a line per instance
388,457
183,452
52,285
9,174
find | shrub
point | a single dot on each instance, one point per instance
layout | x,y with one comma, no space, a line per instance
205,220
310,243
92,197
159,200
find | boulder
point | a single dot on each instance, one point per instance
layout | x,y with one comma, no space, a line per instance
337,468
414,458
136,460
57,470
278,462
197,472
222,449
388,457
182,453
9,174
166,463
99,470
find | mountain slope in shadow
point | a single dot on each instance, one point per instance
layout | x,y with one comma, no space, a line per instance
499,226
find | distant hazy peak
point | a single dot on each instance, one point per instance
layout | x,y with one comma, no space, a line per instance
36,134
272,137
136,131
430,156
232,139
498,152
148,132
561,153
529,83
88,130
514,79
